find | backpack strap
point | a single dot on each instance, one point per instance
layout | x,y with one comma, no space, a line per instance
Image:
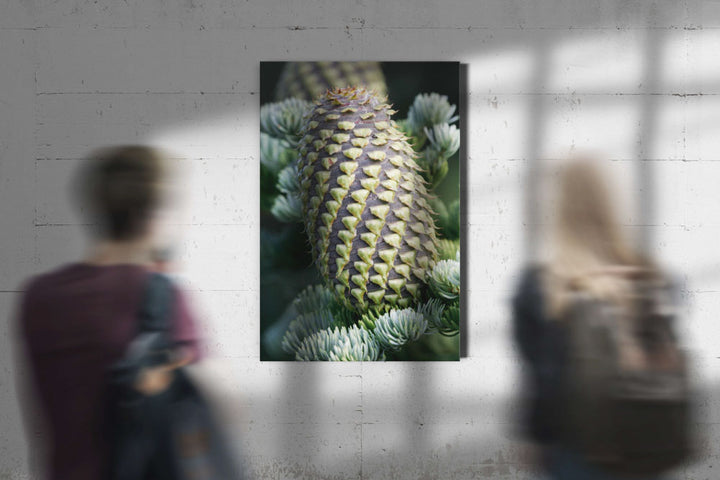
152,344
156,307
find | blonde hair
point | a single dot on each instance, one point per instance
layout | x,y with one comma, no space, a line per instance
590,252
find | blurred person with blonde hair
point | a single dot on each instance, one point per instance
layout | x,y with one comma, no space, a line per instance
589,258
74,322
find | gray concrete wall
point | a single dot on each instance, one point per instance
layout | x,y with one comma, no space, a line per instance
631,79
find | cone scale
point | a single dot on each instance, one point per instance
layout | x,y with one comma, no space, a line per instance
366,209
308,80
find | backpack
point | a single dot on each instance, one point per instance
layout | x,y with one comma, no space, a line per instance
172,435
626,394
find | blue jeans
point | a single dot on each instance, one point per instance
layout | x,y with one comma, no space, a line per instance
565,464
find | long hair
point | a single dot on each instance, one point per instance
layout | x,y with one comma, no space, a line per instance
589,251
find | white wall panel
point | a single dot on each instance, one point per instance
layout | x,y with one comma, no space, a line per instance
17,151
621,79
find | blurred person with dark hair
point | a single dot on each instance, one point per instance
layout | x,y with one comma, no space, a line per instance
76,321
589,258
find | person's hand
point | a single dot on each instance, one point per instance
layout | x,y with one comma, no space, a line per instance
154,380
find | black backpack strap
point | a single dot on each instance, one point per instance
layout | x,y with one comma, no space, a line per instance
156,307
152,344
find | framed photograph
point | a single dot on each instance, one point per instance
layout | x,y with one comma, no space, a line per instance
360,211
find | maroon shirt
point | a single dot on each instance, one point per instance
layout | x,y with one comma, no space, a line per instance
74,323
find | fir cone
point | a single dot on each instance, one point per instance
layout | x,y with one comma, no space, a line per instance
309,80
365,204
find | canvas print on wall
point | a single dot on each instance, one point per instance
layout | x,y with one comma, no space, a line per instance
360,211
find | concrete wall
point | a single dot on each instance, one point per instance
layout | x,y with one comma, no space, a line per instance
635,80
